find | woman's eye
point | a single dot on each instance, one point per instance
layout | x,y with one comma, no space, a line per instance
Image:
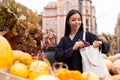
74,20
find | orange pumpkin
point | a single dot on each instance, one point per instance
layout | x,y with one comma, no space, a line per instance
61,73
64,74
74,74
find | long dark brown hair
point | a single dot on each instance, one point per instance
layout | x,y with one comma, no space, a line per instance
67,26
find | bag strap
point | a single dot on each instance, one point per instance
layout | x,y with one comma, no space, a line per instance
84,35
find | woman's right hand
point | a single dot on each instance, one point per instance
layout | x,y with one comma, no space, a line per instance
77,45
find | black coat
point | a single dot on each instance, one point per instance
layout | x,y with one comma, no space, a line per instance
73,59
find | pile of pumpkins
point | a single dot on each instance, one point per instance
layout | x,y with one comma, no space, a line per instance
23,65
113,65
20,63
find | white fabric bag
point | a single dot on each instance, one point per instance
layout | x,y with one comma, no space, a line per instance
92,61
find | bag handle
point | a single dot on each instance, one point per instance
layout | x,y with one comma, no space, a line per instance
84,33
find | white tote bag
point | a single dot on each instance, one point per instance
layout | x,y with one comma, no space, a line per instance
92,61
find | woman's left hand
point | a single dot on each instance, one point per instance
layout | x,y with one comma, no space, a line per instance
97,44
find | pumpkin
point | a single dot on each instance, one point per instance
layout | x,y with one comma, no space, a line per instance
64,74
115,57
17,54
61,73
115,77
26,58
47,77
110,58
19,69
39,66
34,74
6,54
22,57
74,74
90,76
108,63
48,62
116,67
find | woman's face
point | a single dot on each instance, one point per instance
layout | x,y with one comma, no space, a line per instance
75,22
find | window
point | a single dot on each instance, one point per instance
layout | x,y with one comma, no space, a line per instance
51,13
87,3
87,22
67,3
86,11
87,29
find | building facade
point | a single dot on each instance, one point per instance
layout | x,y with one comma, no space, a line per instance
117,33
54,15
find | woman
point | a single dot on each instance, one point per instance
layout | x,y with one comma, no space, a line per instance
69,45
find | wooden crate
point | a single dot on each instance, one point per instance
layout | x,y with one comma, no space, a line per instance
6,76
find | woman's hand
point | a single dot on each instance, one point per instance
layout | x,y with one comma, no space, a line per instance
78,44
97,44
